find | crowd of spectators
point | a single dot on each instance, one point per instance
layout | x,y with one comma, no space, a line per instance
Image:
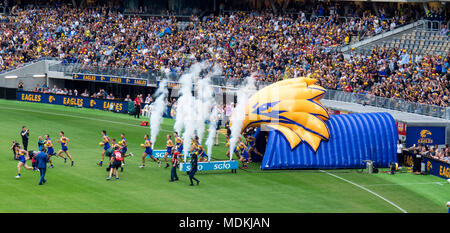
276,46
385,72
101,94
442,154
435,14
106,38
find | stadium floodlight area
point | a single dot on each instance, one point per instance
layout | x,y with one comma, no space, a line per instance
39,76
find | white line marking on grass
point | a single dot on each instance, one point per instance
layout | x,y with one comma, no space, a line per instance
366,189
80,117
401,184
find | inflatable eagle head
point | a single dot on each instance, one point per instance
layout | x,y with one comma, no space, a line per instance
292,107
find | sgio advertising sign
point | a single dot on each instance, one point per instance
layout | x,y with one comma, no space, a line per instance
208,166
159,154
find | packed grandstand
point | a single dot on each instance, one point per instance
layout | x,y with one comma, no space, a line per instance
301,40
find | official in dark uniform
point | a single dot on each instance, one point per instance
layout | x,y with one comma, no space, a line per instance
227,126
417,158
25,133
194,160
173,173
41,164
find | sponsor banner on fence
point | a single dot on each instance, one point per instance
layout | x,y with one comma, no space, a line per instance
159,154
437,168
110,79
425,135
208,166
119,106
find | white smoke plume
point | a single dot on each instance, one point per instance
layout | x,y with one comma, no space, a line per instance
189,124
158,108
184,108
186,117
199,123
205,100
238,114
212,131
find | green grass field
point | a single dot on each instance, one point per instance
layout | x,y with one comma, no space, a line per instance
83,188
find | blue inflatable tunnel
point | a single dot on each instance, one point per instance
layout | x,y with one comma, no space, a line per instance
353,139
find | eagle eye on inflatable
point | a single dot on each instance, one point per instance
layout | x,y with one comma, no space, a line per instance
303,135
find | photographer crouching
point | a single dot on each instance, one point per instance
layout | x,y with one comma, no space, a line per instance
14,147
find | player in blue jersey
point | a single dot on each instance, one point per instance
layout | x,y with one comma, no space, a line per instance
198,149
252,150
202,156
123,146
148,151
251,141
243,150
50,151
105,143
193,147
64,141
193,150
22,156
169,147
236,150
178,143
